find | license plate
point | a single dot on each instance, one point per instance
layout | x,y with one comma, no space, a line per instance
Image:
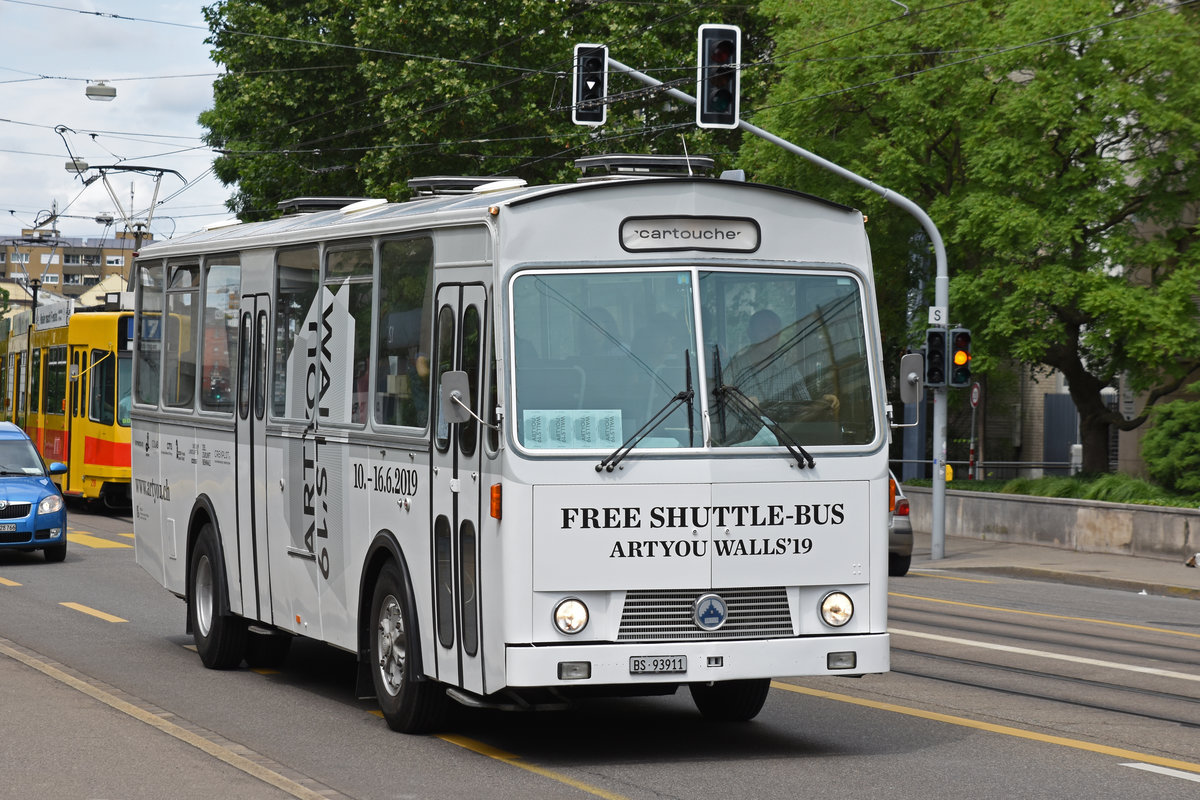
6,527
644,665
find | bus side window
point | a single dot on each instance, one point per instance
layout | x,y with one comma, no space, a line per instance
402,341
148,350
56,379
296,273
179,366
222,298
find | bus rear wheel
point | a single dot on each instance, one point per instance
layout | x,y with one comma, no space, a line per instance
409,704
220,638
731,701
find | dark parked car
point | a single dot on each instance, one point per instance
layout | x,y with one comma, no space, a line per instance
900,535
32,513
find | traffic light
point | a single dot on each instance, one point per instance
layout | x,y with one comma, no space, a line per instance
590,84
960,357
935,357
719,77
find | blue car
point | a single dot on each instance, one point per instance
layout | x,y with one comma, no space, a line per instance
32,513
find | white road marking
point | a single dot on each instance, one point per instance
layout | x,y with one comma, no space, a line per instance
1165,673
1174,773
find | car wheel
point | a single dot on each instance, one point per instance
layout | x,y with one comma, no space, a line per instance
898,565
409,705
731,701
220,638
56,553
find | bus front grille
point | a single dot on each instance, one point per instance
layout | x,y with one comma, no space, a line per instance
652,615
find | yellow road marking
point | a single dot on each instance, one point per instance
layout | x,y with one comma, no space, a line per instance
1006,730
1045,615
7,582
924,574
218,752
126,535
93,612
88,540
515,761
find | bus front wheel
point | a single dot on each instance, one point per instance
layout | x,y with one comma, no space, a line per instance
409,705
220,638
731,701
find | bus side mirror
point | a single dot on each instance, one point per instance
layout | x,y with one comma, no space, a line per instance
455,393
912,368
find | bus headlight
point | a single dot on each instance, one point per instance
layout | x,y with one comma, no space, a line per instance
50,503
836,609
570,615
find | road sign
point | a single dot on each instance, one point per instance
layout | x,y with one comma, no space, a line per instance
976,393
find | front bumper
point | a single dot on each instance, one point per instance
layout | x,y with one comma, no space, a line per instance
538,665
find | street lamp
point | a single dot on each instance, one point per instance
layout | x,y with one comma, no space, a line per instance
100,91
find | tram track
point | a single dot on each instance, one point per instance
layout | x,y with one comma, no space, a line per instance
981,668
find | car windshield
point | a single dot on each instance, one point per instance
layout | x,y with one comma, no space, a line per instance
17,457
599,355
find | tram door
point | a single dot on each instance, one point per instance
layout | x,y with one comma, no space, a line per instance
458,494
251,480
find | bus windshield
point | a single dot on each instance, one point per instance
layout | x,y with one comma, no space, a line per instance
598,354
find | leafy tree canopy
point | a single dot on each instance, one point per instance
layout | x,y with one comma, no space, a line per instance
354,97
1054,144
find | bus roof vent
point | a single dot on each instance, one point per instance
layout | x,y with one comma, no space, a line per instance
309,205
451,184
637,165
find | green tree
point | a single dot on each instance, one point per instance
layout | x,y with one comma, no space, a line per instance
1056,147
354,97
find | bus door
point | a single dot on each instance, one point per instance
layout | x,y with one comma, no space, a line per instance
251,461
458,494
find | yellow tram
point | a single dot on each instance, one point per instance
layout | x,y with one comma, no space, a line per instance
66,382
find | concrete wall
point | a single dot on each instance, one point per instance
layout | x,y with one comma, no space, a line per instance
1082,525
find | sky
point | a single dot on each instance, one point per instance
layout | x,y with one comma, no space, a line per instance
153,53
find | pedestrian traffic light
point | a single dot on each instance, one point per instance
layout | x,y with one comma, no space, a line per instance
590,84
718,78
960,357
935,357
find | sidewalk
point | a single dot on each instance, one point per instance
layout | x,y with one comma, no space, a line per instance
1129,573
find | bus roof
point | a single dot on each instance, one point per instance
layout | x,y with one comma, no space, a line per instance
365,218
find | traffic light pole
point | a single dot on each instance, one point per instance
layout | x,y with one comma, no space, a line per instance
941,288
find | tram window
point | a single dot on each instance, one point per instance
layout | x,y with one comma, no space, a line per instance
348,276
35,382
104,387
402,346
222,298
124,385
56,380
296,274
179,366
149,336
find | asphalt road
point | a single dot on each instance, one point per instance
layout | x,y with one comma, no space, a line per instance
1001,688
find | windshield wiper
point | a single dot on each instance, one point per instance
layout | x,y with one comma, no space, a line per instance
617,455
750,410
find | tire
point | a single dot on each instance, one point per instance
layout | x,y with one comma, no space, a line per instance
731,701
267,651
409,704
56,553
220,638
898,565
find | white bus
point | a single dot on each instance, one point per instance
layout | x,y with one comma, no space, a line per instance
514,445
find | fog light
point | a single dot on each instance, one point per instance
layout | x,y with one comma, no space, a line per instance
574,670
836,609
570,615
844,660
